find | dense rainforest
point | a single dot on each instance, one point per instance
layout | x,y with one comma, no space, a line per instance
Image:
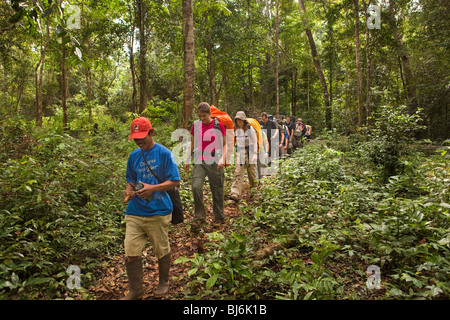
360,211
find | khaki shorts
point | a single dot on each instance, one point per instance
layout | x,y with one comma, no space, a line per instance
140,229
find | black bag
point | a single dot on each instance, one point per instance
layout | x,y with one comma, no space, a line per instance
174,194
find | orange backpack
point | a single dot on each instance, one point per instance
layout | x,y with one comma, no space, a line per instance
222,117
226,120
259,136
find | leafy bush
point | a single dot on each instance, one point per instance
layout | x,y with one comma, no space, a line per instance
61,206
162,111
392,128
342,221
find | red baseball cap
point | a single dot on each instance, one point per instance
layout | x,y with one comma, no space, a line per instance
140,128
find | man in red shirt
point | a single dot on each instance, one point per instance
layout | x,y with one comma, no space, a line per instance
208,143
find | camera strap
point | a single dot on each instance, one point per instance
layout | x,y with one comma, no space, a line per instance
149,168
174,194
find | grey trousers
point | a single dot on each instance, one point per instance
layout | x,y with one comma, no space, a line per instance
216,181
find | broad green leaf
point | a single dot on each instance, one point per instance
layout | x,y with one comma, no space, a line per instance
238,237
211,281
192,271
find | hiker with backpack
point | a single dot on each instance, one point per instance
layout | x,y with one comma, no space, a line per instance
208,145
299,133
308,132
246,155
272,132
149,211
284,141
290,123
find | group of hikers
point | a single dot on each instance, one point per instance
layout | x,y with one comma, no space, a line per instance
279,139
149,209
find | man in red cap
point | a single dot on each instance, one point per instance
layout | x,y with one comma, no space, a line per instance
149,210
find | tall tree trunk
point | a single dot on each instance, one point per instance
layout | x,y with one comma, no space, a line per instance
189,62
250,63
405,88
319,70
89,92
225,94
211,74
39,71
132,66
88,75
368,78
308,87
277,85
87,70
358,65
64,83
266,70
404,59
294,93
142,57
250,84
330,22
19,96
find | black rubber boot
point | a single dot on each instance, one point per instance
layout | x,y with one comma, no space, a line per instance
135,280
163,285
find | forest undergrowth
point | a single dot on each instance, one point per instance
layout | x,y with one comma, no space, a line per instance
335,222
332,214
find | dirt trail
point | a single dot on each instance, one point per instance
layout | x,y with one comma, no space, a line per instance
113,284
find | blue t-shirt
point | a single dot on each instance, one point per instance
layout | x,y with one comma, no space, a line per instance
163,163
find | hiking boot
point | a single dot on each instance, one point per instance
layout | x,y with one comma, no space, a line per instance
135,280
163,285
218,224
232,200
196,227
